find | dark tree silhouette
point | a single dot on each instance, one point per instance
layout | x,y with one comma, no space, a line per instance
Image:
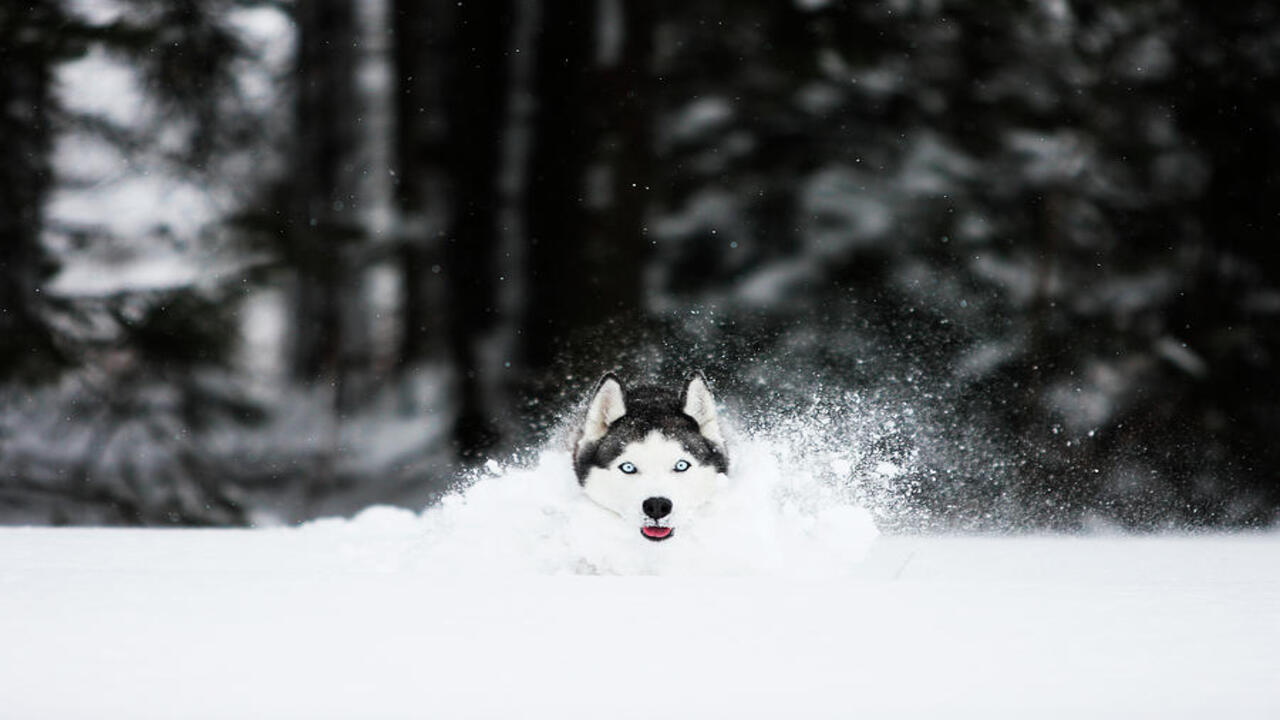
564,136
1043,232
421,37
328,340
590,175
477,102
29,46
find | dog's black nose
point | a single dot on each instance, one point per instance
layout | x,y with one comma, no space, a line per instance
656,507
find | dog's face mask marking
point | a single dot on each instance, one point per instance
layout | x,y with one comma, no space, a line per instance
650,455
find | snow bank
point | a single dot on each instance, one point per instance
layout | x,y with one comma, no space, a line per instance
280,624
770,519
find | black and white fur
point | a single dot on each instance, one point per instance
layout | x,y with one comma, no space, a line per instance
650,454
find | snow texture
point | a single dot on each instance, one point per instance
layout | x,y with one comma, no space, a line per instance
537,520
342,621
152,224
517,597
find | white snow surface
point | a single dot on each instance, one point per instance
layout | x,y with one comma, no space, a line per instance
517,597
537,520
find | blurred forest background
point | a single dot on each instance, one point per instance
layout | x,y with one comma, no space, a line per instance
263,260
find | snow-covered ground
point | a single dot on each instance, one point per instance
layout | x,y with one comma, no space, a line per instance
536,520
278,624
516,598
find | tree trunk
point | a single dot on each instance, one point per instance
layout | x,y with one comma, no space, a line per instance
27,343
421,47
477,92
325,222
591,172
563,143
627,92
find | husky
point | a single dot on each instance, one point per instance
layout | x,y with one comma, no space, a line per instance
650,454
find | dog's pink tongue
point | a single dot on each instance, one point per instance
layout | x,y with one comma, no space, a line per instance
655,532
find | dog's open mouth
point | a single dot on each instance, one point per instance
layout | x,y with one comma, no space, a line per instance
656,532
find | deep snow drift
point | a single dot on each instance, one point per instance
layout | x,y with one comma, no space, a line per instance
767,520
518,597
286,624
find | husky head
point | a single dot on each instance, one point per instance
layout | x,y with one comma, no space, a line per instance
650,454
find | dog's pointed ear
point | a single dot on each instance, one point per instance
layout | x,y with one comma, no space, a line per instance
698,404
607,405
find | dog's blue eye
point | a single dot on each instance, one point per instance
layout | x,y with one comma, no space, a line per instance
682,465
627,468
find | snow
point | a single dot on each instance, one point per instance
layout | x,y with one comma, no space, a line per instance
700,118
89,276
855,212
151,223
515,596
307,624
1182,357
126,196
764,522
